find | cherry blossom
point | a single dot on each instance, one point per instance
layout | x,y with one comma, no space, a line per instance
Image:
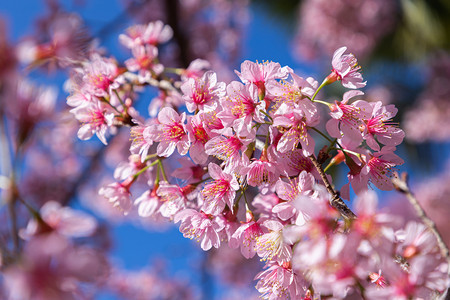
170,133
199,226
262,75
202,93
296,124
153,33
346,69
381,125
220,192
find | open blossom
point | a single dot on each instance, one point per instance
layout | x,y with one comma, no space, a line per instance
140,144
195,69
148,203
296,94
416,239
174,198
296,124
378,167
68,42
262,172
380,124
220,192
170,133
95,118
348,119
189,171
289,191
346,69
262,75
202,93
241,107
64,220
154,33
272,245
227,147
100,76
199,226
279,281
370,223
294,162
245,236
372,167
125,169
144,60
198,137
118,194
330,263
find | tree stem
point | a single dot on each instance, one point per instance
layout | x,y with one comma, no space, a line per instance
335,200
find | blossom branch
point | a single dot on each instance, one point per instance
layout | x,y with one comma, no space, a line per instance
401,185
335,200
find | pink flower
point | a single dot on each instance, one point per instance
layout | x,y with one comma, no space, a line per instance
68,42
294,162
378,279
263,172
279,281
96,118
346,69
295,94
64,220
174,198
148,203
289,191
227,147
212,123
167,98
140,144
220,192
153,33
331,263
125,169
100,76
380,125
198,137
189,171
170,133
271,245
241,107
202,93
347,120
145,61
296,124
378,167
416,239
262,74
118,194
199,226
51,268
245,237
195,69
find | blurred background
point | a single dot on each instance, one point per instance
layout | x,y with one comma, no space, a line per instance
403,48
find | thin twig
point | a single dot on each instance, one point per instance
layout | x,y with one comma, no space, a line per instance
335,200
401,185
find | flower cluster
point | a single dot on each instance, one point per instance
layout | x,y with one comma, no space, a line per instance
251,176
232,159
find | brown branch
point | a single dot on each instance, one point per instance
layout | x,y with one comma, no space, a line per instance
401,185
335,200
